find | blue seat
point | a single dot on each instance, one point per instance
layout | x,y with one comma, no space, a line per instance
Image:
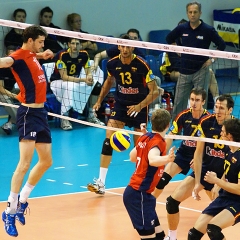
153,63
166,85
104,46
158,36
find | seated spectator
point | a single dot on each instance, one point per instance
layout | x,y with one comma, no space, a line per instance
52,42
67,85
114,51
74,21
8,93
14,37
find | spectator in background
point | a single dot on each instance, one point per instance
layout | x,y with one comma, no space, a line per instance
14,37
8,93
74,21
52,42
114,51
194,69
65,82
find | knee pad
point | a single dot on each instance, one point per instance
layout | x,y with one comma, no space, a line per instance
172,205
214,232
194,234
165,179
106,148
144,232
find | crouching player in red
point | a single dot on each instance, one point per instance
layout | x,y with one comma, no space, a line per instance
150,157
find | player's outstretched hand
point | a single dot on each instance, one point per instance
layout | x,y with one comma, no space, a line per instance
133,110
210,177
143,128
195,192
96,106
171,154
47,54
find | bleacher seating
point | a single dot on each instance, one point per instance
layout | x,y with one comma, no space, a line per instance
158,36
155,63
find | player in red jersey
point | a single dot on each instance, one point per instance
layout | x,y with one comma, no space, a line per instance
34,132
150,157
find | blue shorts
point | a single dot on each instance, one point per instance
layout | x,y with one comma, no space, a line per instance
221,203
141,208
218,169
119,112
32,124
183,162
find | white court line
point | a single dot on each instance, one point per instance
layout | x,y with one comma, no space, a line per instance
65,183
50,180
82,165
127,160
59,167
108,191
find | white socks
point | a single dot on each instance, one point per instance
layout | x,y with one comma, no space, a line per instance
24,194
103,174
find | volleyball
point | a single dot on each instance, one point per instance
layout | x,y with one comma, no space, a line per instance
120,141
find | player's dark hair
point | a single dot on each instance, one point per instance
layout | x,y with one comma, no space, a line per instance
199,91
160,120
46,9
232,126
194,3
33,32
133,30
19,10
125,36
71,38
228,98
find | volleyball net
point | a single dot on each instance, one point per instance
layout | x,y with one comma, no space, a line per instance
226,71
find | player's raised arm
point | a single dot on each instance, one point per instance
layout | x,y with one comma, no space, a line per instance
6,62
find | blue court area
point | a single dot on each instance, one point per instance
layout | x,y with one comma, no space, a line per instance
76,157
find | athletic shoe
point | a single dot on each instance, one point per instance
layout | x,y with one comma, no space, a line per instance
167,238
98,187
95,121
21,209
66,125
7,128
9,224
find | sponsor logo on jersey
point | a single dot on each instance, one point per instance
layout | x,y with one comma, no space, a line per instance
233,160
129,90
134,69
200,37
190,143
214,153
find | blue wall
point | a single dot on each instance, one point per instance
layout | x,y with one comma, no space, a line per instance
108,17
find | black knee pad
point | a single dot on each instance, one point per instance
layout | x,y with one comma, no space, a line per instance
144,232
165,179
194,234
106,148
160,236
214,232
172,205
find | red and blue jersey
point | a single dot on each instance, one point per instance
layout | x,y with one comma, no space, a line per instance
29,76
188,125
146,177
131,79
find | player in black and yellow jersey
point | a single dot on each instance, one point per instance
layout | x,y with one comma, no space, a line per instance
135,90
186,123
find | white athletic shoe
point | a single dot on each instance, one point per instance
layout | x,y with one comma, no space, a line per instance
66,125
97,186
95,120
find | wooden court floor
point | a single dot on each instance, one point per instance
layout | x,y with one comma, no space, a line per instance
88,216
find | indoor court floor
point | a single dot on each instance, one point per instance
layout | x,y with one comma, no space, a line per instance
60,206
